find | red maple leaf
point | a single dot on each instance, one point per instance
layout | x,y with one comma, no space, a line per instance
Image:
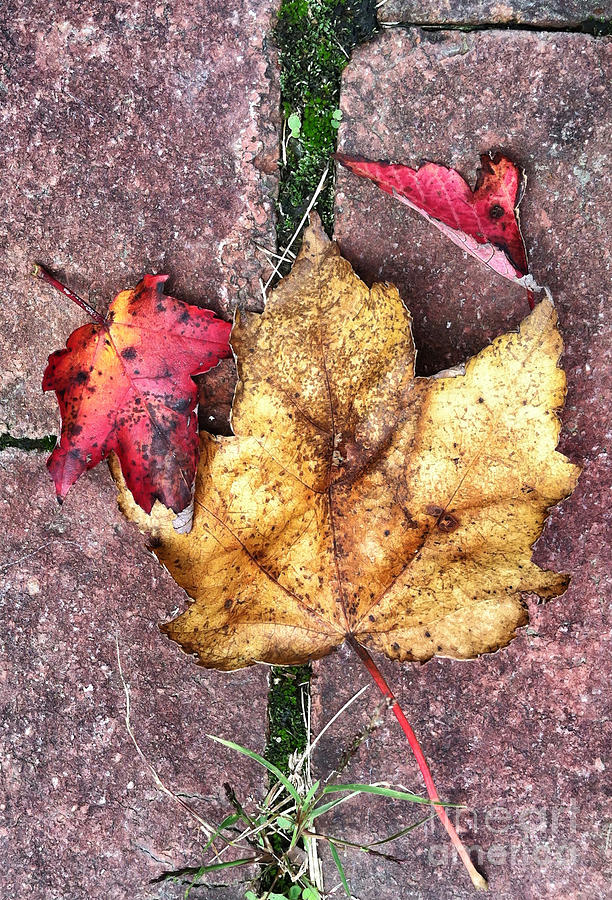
484,222
124,384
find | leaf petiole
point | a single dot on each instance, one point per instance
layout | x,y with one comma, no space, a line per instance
478,881
43,275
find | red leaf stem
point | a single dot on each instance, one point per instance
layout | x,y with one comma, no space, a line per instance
43,275
478,881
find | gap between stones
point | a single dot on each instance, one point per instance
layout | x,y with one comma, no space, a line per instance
314,40
44,444
595,27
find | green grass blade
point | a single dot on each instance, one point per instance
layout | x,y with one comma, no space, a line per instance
313,790
194,881
294,837
216,867
399,834
262,762
336,859
381,791
226,823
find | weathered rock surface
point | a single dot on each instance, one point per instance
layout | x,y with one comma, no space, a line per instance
136,137
80,815
522,736
556,13
448,97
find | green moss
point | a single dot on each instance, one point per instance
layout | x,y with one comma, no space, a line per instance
45,443
286,735
286,727
597,27
314,40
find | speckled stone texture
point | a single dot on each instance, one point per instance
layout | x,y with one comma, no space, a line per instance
446,97
522,736
80,814
557,13
136,137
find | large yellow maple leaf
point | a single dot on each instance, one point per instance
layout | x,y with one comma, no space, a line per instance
358,500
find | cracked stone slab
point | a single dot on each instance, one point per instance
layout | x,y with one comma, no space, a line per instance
80,815
521,736
549,13
137,138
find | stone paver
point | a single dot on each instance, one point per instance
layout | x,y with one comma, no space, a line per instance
136,137
413,95
556,13
521,736
81,816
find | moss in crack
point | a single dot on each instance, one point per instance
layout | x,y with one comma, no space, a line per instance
597,27
286,726
44,444
314,40
287,735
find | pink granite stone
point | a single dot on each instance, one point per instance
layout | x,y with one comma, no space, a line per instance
556,13
522,736
413,95
136,138
80,814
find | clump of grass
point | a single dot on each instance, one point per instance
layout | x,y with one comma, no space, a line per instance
283,832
